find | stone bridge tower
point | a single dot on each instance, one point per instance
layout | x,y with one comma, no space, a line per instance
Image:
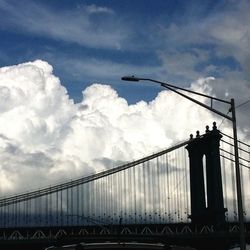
207,205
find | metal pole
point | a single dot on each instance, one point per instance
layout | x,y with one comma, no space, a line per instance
238,180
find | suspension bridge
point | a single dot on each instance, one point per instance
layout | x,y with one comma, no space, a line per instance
184,195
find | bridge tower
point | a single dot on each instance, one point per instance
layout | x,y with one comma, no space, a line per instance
207,205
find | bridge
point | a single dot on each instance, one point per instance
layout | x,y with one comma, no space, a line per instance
184,195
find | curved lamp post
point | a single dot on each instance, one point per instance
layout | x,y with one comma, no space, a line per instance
231,118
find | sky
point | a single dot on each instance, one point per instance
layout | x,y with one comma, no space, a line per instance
90,41
64,110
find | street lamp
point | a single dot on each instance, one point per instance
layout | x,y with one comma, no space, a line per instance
231,118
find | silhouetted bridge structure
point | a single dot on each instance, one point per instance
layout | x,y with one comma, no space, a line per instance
184,195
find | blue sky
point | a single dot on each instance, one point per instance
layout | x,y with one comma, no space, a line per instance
90,41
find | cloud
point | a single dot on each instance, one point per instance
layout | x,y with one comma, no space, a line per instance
45,137
181,65
75,26
212,44
230,32
94,9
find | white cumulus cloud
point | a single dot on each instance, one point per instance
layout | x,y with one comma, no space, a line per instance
45,137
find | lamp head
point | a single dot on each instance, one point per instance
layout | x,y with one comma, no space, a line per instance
130,78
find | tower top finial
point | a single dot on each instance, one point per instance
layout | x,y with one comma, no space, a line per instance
207,129
214,126
197,133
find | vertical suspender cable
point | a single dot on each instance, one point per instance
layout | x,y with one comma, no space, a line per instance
72,204
15,214
186,193
152,174
126,196
130,195
176,187
118,181
46,210
149,191
114,198
77,205
135,190
159,188
108,198
121,195
182,192
168,186
139,199
89,200
145,194
83,204
164,190
105,199
111,197
61,208
67,206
